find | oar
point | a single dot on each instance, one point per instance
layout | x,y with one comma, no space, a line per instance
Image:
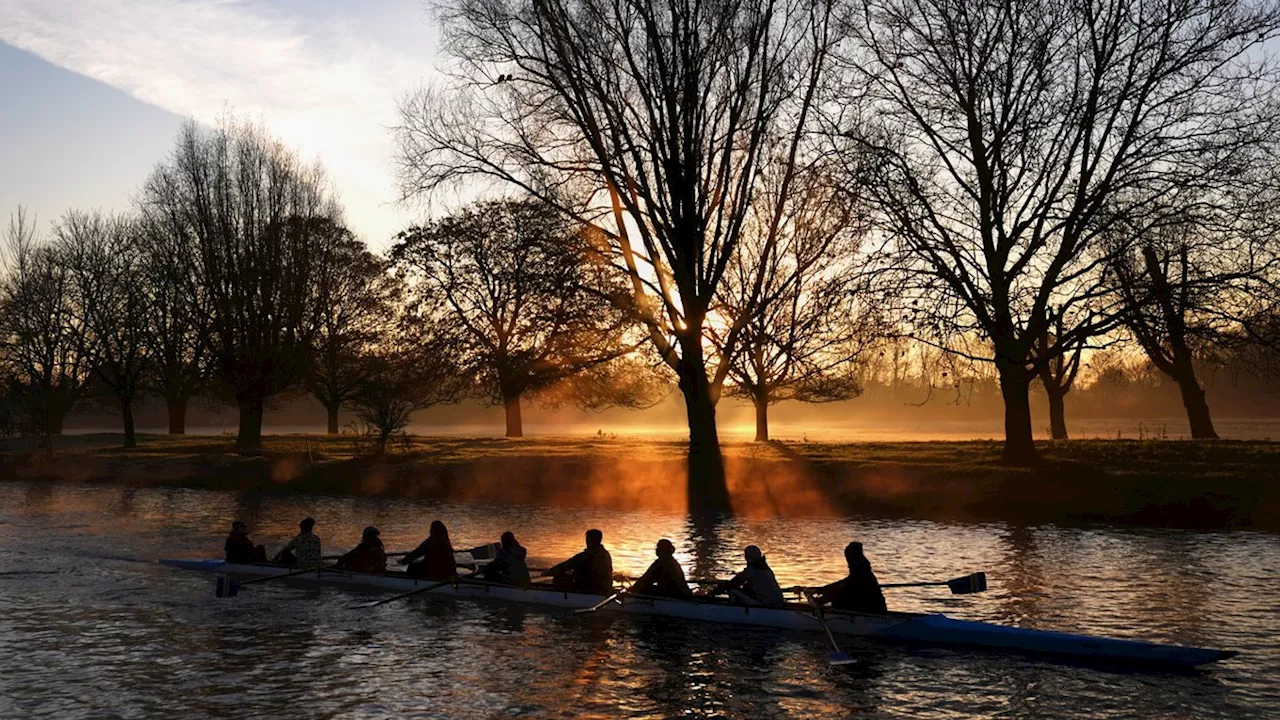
974,583
601,604
479,552
230,587
411,593
839,657
390,555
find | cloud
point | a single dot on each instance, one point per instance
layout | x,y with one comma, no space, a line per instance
324,77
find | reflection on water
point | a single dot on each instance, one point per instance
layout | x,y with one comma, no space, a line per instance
107,632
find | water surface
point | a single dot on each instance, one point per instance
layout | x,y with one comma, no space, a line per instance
91,626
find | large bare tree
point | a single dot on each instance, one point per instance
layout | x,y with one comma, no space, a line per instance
104,256
525,288
47,347
255,230
654,122
359,297
177,338
1195,280
1010,136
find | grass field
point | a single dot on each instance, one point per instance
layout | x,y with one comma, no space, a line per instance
1221,484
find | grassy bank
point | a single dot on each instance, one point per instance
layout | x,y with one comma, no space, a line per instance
1154,483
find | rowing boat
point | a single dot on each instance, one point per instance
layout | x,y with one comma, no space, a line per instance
916,628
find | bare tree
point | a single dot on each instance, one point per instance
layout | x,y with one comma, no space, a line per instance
47,346
359,296
177,333
651,120
255,230
104,257
530,300
1192,288
1011,136
1058,371
414,368
802,335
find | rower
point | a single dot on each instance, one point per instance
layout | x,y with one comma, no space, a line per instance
367,557
508,566
860,592
753,585
664,577
590,571
240,549
433,559
303,550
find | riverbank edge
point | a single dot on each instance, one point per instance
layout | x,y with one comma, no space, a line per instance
1178,484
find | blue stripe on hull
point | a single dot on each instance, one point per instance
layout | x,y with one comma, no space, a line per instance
942,629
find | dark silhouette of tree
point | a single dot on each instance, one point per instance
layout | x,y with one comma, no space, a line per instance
256,231
359,297
176,339
413,368
104,257
530,299
1194,281
1058,369
651,121
1011,137
47,346
804,332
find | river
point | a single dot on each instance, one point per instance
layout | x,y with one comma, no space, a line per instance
92,626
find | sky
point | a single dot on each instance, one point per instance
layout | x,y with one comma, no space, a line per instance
94,92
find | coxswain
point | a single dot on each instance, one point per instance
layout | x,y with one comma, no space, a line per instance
590,571
303,550
433,559
755,584
508,566
240,549
664,577
367,557
860,592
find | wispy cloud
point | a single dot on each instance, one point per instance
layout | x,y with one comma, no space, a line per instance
324,76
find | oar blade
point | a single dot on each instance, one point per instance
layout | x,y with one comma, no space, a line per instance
366,605
840,658
225,587
975,583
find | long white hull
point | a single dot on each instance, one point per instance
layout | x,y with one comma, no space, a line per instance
903,627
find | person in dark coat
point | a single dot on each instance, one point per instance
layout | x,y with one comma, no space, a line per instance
433,558
754,585
860,591
240,549
367,557
664,577
303,550
590,571
508,566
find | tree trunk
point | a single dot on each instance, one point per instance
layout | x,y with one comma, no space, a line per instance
250,435
515,426
707,487
177,415
1057,413
1193,400
762,417
1019,443
333,418
126,413
55,422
